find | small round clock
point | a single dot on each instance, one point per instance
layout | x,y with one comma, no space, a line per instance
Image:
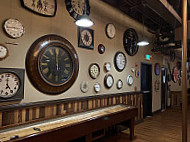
157,69
107,66
9,84
120,61
101,48
97,87
130,39
84,86
108,81
13,28
94,70
110,30
129,80
3,52
119,84
52,64
76,8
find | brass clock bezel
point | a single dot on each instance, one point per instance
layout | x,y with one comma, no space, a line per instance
33,70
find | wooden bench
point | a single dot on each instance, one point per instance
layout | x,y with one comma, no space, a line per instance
74,126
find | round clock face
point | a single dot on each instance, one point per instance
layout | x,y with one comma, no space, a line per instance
9,85
86,37
108,81
52,64
76,8
120,61
110,30
55,65
84,86
101,48
107,66
94,70
41,7
97,87
129,80
157,69
3,52
130,39
119,84
13,28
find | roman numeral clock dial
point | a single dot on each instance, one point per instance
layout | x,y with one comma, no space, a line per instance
52,64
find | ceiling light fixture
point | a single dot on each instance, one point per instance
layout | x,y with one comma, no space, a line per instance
84,20
143,42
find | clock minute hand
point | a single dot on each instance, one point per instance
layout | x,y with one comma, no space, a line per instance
7,85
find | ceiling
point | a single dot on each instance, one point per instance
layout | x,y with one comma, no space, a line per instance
155,16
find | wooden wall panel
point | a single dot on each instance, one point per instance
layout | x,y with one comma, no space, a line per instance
14,116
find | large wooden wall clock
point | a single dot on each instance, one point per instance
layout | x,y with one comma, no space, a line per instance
130,39
52,64
76,8
41,7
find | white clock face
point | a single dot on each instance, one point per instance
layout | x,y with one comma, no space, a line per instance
84,86
9,85
94,71
78,6
109,81
107,66
129,80
119,84
14,28
86,37
3,52
110,30
97,87
120,61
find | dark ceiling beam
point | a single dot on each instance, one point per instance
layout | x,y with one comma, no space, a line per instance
165,11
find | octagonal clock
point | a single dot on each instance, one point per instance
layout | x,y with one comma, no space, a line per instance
52,64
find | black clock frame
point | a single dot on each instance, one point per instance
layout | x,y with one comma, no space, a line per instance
33,69
126,46
72,12
80,42
23,5
21,75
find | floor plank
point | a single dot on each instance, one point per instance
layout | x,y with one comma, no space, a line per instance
162,127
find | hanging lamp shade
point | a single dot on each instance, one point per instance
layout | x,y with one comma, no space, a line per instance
84,21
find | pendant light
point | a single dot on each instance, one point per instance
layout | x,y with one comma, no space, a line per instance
84,20
143,42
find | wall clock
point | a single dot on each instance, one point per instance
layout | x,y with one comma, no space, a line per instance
76,8
110,30
97,87
157,69
3,52
119,84
52,64
130,39
84,86
129,80
120,61
108,81
107,66
101,48
41,7
94,70
13,28
85,38
11,84
175,74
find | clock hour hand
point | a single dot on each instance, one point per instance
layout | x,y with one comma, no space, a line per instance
7,84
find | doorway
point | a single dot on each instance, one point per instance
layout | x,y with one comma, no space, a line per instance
164,89
146,88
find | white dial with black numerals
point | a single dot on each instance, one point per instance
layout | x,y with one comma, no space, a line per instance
120,61
9,85
94,70
3,52
129,80
86,37
97,87
14,28
108,80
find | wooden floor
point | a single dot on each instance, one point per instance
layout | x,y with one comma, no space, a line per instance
162,127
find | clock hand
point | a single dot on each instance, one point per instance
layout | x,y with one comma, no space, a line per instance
7,84
13,27
57,65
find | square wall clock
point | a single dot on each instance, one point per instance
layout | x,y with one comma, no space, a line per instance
11,84
86,38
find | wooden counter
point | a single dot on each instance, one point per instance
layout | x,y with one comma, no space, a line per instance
73,126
